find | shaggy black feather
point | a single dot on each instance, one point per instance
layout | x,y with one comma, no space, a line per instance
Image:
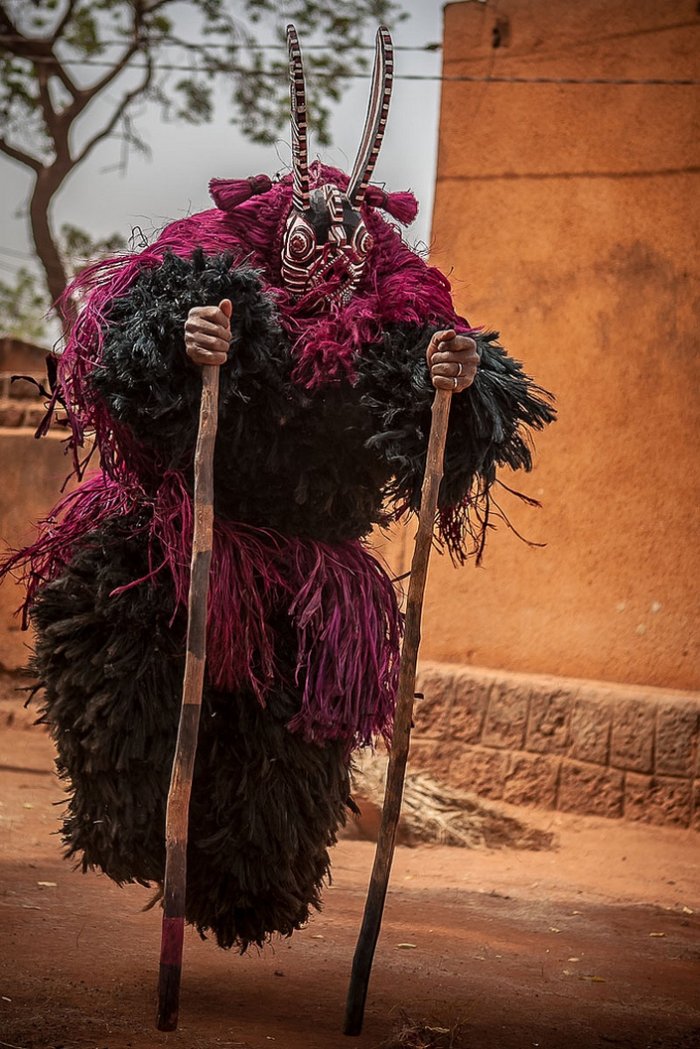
321,463
285,458
487,420
265,804
145,376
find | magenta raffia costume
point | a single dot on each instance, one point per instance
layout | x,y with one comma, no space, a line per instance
323,420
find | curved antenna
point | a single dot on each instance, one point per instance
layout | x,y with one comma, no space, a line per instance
375,121
300,144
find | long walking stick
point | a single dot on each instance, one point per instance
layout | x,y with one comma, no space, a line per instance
374,906
186,747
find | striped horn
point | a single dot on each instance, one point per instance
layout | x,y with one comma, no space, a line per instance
375,122
300,144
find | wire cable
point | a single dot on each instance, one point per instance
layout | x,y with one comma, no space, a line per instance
224,67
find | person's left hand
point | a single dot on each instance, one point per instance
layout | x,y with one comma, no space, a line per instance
453,360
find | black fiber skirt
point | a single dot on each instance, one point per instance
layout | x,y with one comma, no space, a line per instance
266,804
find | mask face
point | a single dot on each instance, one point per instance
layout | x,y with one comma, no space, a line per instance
325,247
325,242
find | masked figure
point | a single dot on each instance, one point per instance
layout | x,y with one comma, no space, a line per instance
324,317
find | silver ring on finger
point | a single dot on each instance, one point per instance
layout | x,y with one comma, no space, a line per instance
459,373
454,382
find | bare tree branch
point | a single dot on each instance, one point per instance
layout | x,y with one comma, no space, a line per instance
63,22
118,113
58,70
51,120
7,26
148,9
33,48
18,154
83,96
22,46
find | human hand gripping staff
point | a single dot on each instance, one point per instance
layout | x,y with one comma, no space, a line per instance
207,338
442,362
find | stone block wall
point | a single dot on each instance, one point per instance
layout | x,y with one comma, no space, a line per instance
594,748
33,475
20,404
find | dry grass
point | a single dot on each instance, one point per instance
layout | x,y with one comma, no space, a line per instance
410,1033
433,812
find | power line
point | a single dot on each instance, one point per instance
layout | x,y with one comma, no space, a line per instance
9,268
16,38
436,78
431,47
13,253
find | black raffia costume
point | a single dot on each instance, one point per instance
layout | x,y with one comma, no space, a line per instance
323,420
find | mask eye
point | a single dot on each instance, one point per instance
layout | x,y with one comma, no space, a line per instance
363,241
301,243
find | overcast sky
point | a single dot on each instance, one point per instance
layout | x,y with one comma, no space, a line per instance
174,181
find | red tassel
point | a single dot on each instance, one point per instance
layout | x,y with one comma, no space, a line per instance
401,206
227,194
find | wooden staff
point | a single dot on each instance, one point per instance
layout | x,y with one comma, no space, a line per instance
177,816
374,906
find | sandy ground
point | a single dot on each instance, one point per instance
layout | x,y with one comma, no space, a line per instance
592,944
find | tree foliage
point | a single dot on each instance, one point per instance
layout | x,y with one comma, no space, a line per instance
62,59
23,303
23,307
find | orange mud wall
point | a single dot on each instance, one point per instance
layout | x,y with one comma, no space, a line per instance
32,473
567,218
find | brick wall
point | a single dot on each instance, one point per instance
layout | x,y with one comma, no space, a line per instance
33,473
618,751
19,404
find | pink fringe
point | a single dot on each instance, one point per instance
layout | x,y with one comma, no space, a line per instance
340,601
401,206
74,517
227,194
337,597
397,287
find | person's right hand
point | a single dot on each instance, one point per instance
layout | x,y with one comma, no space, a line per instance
208,333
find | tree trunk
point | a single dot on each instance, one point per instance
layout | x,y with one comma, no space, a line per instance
48,182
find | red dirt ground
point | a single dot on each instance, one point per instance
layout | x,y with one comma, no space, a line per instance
591,945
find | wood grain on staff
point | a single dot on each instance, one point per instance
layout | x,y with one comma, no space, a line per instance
177,815
379,881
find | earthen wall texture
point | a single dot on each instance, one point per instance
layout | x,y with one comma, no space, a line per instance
32,473
567,218
618,751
